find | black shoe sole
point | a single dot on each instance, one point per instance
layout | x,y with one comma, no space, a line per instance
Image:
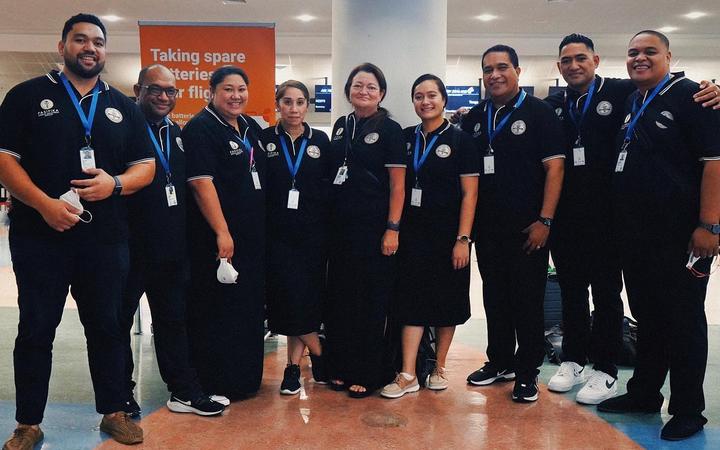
338,387
289,392
363,394
501,379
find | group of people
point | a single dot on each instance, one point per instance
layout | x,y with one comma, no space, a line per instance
225,223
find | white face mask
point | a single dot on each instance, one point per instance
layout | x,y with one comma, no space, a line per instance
226,273
73,199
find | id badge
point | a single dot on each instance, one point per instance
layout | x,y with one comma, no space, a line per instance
620,166
489,165
341,175
416,197
293,199
256,179
579,156
87,158
171,195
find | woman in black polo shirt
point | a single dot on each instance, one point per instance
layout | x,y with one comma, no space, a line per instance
368,156
298,167
226,219
434,274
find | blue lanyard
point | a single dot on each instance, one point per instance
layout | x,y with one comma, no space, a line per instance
637,114
494,132
418,161
249,148
572,107
164,161
293,168
87,121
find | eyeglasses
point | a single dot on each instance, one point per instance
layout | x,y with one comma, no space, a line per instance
156,91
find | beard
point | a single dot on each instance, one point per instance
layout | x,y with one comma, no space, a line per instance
75,67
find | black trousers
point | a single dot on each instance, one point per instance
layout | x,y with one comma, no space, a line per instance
668,303
513,296
165,284
95,274
586,260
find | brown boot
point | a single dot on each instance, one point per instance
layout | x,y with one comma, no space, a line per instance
121,428
23,438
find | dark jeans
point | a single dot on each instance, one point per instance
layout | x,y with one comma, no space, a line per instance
95,273
582,261
165,284
513,295
668,303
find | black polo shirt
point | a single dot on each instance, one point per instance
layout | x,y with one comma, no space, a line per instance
372,148
453,155
586,195
214,150
312,180
511,199
658,192
40,127
157,228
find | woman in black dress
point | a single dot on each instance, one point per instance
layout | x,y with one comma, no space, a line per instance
226,219
298,164
368,190
434,275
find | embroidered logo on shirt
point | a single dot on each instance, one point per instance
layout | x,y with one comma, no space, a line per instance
518,127
339,131
235,148
443,151
179,143
661,126
271,147
313,151
372,138
668,114
48,110
558,112
604,108
477,127
114,115
47,104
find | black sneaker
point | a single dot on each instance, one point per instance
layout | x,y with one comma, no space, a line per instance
489,374
682,427
200,405
627,403
132,408
525,390
291,380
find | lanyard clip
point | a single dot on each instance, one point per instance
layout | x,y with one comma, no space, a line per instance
87,139
625,145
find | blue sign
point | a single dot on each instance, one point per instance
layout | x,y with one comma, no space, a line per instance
323,97
459,96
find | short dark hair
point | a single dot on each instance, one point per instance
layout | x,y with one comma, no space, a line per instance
657,34
369,68
430,77
82,18
500,48
576,38
219,75
291,84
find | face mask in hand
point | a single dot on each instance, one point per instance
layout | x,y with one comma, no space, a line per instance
72,198
226,273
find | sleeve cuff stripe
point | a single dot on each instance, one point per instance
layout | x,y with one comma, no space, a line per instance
4,150
553,157
140,161
710,158
475,174
402,166
201,177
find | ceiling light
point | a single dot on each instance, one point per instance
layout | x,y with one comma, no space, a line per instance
486,17
695,15
111,18
667,29
305,18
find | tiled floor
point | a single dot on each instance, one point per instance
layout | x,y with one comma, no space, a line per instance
461,417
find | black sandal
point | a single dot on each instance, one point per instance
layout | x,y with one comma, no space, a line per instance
339,387
361,394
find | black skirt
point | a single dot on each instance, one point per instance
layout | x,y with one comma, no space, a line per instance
430,292
296,274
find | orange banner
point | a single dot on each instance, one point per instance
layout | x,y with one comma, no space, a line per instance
192,51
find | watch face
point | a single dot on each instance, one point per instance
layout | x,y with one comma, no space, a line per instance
715,229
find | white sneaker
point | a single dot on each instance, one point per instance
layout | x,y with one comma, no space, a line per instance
600,387
568,375
220,399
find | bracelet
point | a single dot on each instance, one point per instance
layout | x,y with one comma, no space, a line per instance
393,226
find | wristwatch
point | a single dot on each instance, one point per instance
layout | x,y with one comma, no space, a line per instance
464,238
393,226
714,228
118,186
545,221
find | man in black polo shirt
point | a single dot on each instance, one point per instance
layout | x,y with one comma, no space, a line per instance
666,187
521,145
70,130
158,252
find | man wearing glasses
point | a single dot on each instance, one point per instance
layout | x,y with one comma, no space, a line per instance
158,261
